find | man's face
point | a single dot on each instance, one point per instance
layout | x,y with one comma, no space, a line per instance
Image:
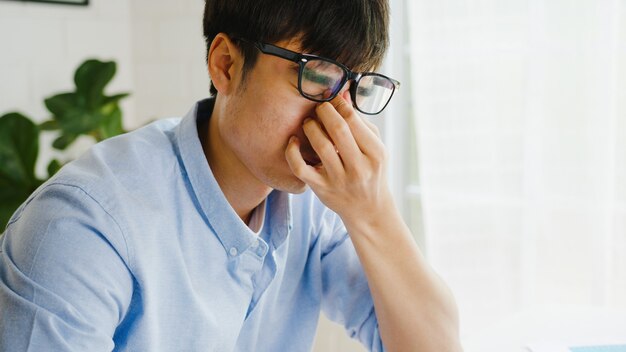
263,114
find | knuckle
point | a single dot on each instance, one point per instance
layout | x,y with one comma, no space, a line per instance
342,106
341,128
309,125
339,103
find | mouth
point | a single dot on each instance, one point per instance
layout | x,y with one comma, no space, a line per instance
311,159
309,155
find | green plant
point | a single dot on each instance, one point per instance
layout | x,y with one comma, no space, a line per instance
86,111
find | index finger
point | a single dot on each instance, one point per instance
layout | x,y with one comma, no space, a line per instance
365,138
339,132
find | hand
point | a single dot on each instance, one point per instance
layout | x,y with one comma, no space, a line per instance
351,178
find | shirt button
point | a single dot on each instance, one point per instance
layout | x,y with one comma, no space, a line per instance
254,244
233,251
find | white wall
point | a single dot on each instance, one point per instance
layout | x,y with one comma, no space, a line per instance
521,121
41,45
168,54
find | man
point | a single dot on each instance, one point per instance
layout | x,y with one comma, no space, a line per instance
201,234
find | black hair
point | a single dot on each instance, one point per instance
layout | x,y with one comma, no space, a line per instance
353,32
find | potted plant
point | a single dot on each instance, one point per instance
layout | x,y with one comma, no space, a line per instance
85,111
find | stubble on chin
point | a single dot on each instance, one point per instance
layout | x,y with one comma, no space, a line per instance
287,183
294,186
297,189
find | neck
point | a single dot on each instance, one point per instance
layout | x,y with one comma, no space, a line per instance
242,190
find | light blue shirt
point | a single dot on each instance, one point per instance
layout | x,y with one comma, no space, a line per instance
133,247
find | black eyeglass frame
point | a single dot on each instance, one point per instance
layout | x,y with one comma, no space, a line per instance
349,75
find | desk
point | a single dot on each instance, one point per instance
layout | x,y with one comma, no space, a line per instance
576,325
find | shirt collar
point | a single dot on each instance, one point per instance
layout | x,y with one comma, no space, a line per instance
232,232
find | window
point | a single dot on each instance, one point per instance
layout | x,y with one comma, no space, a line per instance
517,174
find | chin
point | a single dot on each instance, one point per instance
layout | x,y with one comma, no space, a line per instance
282,179
293,187
291,184
297,190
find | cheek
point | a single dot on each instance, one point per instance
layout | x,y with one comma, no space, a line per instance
276,111
286,114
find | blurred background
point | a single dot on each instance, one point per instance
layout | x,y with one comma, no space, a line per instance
507,139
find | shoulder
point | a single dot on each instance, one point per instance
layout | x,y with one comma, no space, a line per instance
93,193
58,214
127,167
149,147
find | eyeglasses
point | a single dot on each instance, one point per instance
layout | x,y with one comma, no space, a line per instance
321,79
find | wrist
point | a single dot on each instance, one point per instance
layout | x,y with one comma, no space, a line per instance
378,216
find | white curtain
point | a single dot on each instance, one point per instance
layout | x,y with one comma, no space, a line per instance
520,108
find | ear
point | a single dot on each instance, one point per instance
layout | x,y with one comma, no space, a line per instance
224,63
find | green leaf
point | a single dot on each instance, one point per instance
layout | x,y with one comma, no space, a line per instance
19,147
79,121
91,78
111,125
63,141
49,125
11,197
60,104
8,207
53,167
71,114
114,98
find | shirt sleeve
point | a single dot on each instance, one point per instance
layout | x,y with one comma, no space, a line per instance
64,280
346,297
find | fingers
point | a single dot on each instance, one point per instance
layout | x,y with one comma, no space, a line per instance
324,147
339,132
307,173
345,143
373,128
365,133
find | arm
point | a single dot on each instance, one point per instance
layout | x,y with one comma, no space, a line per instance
346,296
414,308
64,283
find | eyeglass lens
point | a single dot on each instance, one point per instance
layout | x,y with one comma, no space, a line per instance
373,93
322,79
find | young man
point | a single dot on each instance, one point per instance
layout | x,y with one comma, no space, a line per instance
201,234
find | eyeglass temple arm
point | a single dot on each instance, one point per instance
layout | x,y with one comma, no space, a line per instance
279,52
